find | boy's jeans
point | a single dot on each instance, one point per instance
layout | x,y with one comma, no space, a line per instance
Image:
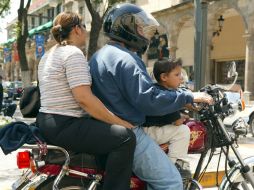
152,165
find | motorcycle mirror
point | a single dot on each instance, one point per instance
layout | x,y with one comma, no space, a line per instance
232,70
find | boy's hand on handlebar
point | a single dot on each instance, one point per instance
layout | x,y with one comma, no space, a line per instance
190,107
202,97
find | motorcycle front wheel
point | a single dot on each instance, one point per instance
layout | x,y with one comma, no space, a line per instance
236,181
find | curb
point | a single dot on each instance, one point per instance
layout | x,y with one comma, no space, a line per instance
210,179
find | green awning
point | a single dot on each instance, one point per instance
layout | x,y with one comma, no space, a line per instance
9,41
40,28
34,31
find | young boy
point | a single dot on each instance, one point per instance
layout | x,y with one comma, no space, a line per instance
170,128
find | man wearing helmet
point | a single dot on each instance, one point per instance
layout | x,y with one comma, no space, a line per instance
121,81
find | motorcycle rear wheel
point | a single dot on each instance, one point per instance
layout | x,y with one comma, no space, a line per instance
67,183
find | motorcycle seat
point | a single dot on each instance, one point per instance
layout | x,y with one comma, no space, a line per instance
76,159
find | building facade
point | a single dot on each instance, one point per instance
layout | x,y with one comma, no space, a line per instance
232,41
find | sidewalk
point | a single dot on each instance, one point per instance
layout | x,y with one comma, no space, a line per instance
246,147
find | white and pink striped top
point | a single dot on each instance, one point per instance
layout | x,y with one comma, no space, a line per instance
61,69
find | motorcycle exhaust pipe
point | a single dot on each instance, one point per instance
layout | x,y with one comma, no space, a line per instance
93,185
95,182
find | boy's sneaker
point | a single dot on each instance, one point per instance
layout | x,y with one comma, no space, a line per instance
183,168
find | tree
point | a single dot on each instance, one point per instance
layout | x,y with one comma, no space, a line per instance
4,6
22,34
94,7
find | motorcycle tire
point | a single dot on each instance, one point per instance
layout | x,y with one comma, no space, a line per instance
237,181
251,123
67,183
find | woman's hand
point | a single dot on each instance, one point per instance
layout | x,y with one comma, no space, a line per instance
202,97
127,124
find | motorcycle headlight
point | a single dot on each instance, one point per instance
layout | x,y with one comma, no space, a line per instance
240,127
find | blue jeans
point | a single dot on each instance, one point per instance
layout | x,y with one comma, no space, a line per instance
152,165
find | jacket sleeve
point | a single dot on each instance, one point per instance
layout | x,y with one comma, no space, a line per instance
137,86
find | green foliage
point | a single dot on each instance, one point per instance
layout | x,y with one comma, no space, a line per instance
4,7
18,29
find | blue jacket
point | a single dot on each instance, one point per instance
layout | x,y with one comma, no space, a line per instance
121,82
16,134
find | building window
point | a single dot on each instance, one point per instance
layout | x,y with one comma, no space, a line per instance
81,10
58,8
33,22
40,19
50,13
222,69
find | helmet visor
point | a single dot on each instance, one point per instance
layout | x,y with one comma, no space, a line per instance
146,24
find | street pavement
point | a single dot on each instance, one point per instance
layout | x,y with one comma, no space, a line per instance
9,171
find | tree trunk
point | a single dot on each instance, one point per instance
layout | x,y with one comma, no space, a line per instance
94,35
26,77
21,40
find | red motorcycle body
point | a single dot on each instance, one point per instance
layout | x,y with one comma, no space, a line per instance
198,136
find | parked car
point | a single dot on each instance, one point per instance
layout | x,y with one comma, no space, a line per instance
14,89
247,114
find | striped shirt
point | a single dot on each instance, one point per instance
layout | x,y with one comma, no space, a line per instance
61,69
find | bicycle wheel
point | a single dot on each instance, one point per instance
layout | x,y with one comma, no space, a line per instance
237,181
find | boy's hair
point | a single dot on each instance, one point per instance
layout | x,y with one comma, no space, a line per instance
165,65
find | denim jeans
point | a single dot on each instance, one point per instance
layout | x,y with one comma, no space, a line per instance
152,165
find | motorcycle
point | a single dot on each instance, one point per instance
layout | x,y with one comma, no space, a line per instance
8,106
53,167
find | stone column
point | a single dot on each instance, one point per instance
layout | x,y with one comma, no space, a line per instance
249,68
172,43
208,66
172,51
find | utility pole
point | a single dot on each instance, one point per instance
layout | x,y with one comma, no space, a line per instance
200,44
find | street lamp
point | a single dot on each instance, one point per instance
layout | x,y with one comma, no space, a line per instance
220,24
156,35
220,21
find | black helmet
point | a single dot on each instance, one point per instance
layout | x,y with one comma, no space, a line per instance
131,25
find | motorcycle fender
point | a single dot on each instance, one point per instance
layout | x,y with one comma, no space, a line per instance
33,182
233,172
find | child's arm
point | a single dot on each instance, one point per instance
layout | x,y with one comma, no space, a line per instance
181,120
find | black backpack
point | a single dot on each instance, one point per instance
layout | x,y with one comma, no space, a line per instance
30,102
